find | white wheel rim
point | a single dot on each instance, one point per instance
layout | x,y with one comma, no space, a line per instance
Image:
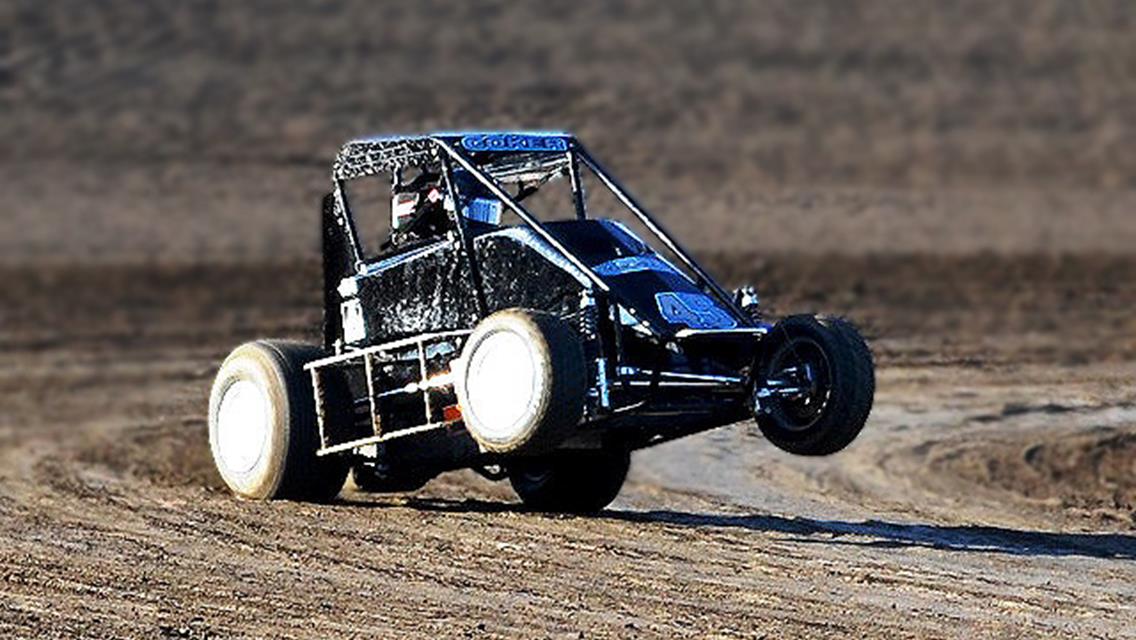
501,384
242,426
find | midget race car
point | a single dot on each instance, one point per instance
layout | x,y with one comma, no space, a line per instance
542,350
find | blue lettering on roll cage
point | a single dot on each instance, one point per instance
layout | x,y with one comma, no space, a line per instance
513,142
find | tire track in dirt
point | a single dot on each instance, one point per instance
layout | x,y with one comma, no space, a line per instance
113,523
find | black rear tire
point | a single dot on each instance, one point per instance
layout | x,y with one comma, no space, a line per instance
842,385
575,481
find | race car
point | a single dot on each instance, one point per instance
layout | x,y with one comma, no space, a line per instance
542,349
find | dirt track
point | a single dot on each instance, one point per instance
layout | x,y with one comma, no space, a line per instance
957,177
956,513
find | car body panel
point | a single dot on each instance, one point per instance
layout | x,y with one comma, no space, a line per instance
430,288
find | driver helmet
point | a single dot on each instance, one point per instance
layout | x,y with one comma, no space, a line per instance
408,199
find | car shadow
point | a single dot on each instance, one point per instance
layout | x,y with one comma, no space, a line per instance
883,534
867,533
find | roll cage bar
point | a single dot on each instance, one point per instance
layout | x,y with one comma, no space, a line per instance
367,157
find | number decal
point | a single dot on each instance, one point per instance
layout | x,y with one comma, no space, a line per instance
695,310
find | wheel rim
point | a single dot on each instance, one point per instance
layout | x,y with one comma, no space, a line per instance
501,384
802,364
242,426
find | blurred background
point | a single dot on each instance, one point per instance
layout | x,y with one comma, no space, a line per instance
958,177
204,131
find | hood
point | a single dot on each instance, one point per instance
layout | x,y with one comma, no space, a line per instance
639,276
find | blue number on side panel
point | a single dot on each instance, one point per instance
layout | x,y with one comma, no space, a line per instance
695,310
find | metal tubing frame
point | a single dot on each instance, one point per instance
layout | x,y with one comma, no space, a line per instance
577,186
661,233
347,356
317,394
576,153
522,213
458,220
369,370
425,377
348,222
355,444
423,386
534,223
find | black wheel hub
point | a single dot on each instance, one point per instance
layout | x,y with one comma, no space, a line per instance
799,382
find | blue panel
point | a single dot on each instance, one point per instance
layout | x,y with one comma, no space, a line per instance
631,264
487,210
513,142
695,310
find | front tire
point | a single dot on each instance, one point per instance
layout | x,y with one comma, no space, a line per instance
520,382
829,364
262,425
571,481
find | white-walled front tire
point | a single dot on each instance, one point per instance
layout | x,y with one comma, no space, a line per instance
520,381
262,425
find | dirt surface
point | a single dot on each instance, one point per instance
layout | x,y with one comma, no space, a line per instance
956,177
992,492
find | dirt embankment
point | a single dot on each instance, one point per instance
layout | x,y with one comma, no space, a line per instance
1090,472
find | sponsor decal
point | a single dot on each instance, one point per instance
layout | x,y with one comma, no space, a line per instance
631,264
354,327
513,142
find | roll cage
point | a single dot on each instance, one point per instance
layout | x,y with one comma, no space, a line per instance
495,159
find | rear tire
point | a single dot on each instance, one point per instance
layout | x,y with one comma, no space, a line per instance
575,481
841,386
262,425
372,481
520,382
